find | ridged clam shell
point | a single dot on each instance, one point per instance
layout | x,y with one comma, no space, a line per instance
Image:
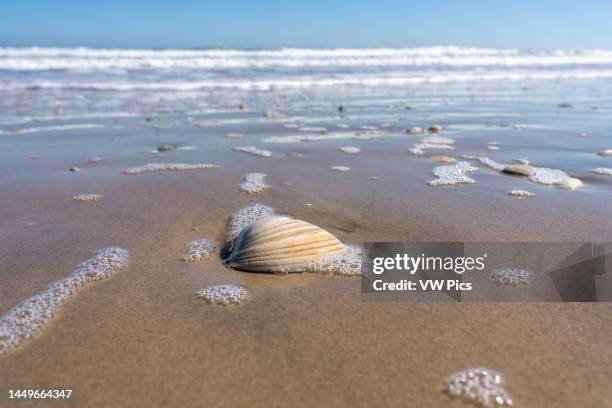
281,245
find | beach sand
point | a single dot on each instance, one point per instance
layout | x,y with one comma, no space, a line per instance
143,339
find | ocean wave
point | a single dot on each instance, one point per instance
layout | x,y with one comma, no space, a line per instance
300,81
39,59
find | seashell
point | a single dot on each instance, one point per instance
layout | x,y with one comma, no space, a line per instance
281,245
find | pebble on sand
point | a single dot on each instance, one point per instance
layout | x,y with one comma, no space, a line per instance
518,169
166,147
444,159
74,169
520,193
605,153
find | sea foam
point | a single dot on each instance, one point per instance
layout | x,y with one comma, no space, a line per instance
224,295
254,151
28,318
254,183
87,198
153,167
451,175
480,386
198,251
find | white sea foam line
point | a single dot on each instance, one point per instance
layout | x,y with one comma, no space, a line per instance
90,115
152,167
396,79
58,128
365,135
253,150
30,317
603,170
83,58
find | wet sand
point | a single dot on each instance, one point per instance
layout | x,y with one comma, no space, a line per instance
142,338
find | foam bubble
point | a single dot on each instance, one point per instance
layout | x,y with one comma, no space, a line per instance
418,149
349,149
434,143
511,276
346,264
480,386
224,295
153,167
520,193
603,170
451,175
29,317
254,183
557,177
340,169
247,216
87,198
492,164
313,129
438,140
198,251
253,150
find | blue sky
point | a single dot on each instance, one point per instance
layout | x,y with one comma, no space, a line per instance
307,23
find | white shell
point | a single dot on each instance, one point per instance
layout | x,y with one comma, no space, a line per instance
281,245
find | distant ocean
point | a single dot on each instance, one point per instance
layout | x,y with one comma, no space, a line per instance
183,69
